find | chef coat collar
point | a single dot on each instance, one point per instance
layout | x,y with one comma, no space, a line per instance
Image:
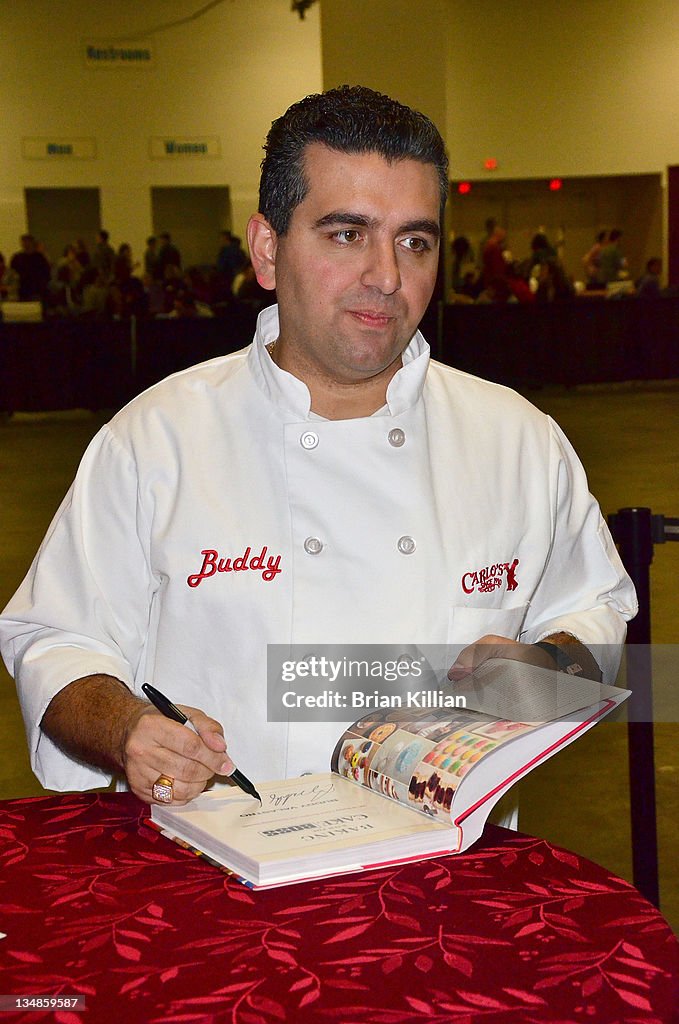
292,396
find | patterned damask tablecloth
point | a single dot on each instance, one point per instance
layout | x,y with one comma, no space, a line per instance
94,902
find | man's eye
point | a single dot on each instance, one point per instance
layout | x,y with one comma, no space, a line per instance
417,244
347,235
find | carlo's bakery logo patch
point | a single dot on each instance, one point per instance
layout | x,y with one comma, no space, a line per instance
491,577
268,565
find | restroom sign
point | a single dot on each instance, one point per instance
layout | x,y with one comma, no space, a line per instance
173,147
50,148
111,53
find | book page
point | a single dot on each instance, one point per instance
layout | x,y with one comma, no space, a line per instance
518,692
419,758
304,825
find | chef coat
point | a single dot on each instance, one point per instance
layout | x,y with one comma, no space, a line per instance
215,514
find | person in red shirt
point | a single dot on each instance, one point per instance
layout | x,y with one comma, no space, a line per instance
494,263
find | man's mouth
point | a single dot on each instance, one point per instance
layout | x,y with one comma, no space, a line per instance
371,318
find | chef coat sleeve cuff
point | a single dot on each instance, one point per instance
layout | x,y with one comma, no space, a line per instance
44,669
602,630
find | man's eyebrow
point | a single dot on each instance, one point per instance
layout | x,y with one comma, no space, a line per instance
427,227
345,217
336,217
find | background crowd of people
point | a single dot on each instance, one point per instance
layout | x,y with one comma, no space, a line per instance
492,273
105,282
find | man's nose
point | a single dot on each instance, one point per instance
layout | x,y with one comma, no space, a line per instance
382,270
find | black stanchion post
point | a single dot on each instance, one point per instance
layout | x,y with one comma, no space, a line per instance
633,531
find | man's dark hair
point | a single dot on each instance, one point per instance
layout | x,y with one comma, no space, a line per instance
351,119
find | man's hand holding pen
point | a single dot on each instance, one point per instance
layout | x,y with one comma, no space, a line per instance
154,745
168,753
99,720
162,790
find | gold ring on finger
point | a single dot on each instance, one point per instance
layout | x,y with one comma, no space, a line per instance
162,789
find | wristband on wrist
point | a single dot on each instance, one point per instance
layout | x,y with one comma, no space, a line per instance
561,658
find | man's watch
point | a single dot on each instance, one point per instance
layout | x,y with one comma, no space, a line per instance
561,658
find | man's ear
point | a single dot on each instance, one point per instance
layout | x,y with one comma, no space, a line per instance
262,243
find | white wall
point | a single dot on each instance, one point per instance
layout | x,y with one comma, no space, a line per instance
556,89
394,46
227,74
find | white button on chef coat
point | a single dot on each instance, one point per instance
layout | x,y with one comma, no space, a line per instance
406,545
309,440
397,437
313,546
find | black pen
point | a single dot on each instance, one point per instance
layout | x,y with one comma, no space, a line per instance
170,710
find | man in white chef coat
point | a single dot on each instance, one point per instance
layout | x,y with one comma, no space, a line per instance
329,484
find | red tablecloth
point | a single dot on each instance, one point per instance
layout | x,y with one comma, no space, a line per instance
94,902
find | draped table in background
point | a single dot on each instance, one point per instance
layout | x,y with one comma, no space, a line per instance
96,903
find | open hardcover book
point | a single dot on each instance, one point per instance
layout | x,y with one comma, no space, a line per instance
405,784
